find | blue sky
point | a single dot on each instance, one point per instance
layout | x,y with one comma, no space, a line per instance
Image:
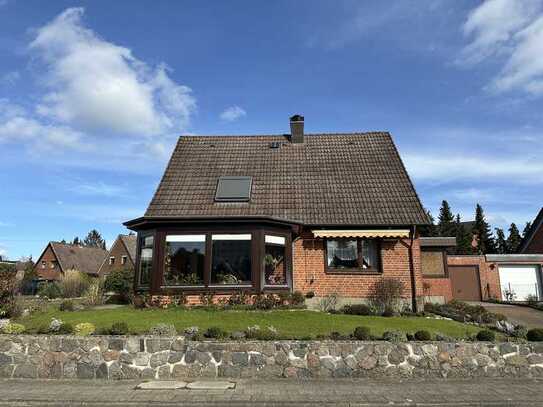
93,96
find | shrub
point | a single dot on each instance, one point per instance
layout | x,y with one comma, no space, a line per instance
362,333
191,331
215,332
388,312
310,294
84,329
264,302
486,335
357,309
74,283
118,328
13,328
329,302
55,325
95,292
535,335
386,293
8,285
336,336
394,336
240,298
297,298
163,330
50,290
520,332
423,335
121,282
206,299
66,329
67,305
263,334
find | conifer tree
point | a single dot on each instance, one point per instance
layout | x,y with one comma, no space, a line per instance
526,230
514,239
463,238
501,242
445,224
94,239
485,240
428,230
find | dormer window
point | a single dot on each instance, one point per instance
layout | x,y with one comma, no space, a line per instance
234,189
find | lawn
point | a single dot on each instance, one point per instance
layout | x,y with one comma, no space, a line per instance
289,323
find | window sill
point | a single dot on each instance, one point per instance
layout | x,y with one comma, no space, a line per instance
353,272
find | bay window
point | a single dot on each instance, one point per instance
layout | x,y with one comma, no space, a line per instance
352,255
184,260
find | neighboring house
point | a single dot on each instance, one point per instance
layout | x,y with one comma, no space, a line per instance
533,241
122,255
58,258
322,213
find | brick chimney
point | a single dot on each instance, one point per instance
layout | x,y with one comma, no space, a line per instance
297,129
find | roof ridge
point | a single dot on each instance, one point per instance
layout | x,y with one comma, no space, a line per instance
347,133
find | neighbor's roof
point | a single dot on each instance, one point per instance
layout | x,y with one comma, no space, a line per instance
515,258
130,242
84,259
536,224
329,179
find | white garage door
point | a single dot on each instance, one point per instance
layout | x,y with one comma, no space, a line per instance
520,279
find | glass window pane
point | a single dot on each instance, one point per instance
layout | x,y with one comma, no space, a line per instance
231,260
342,253
275,268
184,260
146,260
370,254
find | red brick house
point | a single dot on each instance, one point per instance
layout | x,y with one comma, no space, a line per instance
533,241
121,255
327,213
57,258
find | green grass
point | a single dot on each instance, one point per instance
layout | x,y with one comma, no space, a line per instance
290,324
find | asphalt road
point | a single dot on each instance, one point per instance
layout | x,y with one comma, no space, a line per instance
338,393
526,316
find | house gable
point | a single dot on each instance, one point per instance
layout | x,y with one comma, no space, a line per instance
122,250
533,241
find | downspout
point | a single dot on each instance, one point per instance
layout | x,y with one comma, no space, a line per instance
412,271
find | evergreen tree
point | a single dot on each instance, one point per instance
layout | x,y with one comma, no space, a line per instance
527,228
445,224
501,243
94,239
485,241
76,241
463,238
514,239
428,230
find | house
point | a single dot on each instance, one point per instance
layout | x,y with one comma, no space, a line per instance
532,243
121,255
321,213
57,258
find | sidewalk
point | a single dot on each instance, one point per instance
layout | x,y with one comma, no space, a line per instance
341,393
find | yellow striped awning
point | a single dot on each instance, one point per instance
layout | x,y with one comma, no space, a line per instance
363,233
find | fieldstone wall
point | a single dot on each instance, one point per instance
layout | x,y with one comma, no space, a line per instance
140,357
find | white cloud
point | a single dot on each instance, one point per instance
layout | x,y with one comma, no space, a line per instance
5,224
98,189
438,166
233,113
513,32
17,126
95,84
10,78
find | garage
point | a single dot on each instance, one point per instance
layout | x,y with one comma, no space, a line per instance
521,279
465,283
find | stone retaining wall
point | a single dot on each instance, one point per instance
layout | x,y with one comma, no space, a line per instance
110,357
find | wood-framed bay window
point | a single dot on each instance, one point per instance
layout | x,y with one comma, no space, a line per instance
221,260
146,255
353,255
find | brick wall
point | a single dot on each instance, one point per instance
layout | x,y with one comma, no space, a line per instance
309,272
437,289
51,270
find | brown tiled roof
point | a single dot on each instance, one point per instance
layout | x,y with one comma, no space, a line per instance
438,241
84,259
536,224
329,179
130,243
